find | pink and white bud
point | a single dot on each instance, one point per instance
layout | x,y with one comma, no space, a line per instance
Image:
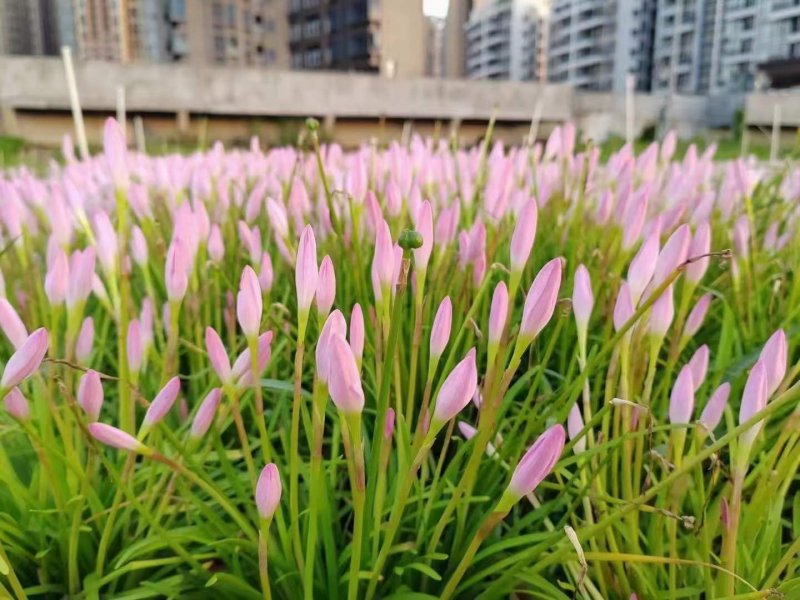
56,282
456,391
774,357
537,463
17,405
81,276
306,270
681,400
160,405
90,394
116,438
326,287
116,152
643,265
218,355
175,275
205,414
249,305
661,314
26,360
216,247
138,246
498,314
623,309
85,340
698,365
356,338
107,245
383,261
268,491
523,237
334,325
712,412
11,324
540,301
440,331
754,399
344,381
242,367
135,347
701,244
574,427
265,273
696,316
741,237
388,425
672,255
582,299
424,225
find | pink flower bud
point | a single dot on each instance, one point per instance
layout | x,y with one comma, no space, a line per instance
248,303
160,405
265,273
582,298
741,237
216,247
11,324
107,244
268,491
357,332
681,400
523,237
383,261
623,309
478,270
175,271
134,345
205,414
424,225
498,314
26,360
440,331
754,399
17,405
146,324
116,152
574,427
344,381
326,286
218,355
696,316
90,394
773,355
83,345
306,269
701,244
698,365
457,389
541,300
672,255
242,369
388,426
81,276
56,282
334,325
662,313
643,265
537,463
712,413
138,246
116,438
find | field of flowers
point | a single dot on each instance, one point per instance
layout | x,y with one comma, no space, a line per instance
406,372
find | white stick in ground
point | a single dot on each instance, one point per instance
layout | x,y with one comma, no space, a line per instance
75,103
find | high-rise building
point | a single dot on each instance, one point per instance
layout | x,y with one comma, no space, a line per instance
386,36
507,39
33,26
595,44
434,46
454,42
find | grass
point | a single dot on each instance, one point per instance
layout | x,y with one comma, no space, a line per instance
648,497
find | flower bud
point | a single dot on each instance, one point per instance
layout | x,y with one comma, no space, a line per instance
116,438
440,331
26,360
306,270
205,414
268,491
326,286
90,394
249,306
17,405
344,381
456,391
681,400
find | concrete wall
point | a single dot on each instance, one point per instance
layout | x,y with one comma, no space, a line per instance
759,108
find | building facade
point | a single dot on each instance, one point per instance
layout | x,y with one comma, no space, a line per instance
596,44
506,39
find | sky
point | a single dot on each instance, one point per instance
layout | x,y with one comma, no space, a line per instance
435,8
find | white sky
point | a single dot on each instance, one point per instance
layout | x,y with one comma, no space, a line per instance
435,8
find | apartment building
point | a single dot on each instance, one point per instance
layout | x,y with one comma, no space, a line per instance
595,44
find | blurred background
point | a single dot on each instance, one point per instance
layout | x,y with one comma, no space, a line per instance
184,72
